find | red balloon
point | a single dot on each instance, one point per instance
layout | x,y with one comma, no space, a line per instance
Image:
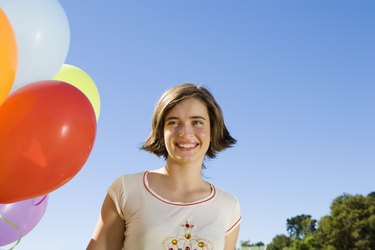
47,131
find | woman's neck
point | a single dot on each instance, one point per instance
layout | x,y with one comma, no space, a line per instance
183,177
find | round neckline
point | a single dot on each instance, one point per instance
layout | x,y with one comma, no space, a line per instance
209,197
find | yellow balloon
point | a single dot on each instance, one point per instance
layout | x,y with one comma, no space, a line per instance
81,80
8,56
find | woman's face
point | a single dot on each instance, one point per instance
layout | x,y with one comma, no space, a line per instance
187,132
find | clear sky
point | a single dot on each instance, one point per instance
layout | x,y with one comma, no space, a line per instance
295,79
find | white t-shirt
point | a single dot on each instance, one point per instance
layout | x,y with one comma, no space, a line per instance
153,222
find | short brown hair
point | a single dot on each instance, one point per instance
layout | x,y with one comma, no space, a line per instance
220,137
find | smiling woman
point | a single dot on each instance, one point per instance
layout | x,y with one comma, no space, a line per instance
187,131
173,207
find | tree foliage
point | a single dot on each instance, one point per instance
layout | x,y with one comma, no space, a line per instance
257,244
279,242
300,226
245,243
349,226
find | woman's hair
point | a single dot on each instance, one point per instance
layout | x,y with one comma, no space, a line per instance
220,137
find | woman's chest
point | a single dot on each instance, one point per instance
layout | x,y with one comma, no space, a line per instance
175,228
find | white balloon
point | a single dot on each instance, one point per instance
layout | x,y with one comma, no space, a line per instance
42,35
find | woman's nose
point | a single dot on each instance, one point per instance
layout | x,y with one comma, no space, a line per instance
185,130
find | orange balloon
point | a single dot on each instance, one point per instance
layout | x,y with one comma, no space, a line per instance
8,56
47,131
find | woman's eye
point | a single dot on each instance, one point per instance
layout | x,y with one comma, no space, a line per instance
172,123
197,122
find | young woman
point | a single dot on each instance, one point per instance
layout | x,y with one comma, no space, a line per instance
174,207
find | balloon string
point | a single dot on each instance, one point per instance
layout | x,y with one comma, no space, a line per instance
14,226
44,197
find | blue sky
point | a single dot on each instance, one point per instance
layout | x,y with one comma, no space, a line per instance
295,80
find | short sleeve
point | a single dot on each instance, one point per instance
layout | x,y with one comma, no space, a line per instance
235,219
117,192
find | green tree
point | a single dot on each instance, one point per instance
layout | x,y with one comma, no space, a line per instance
308,243
245,243
371,195
257,244
279,242
300,226
351,224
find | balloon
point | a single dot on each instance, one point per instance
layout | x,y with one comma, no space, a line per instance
19,218
80,79
43,37
8,58
47,131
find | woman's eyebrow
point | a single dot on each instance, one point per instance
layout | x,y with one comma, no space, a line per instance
171,118
191,117
197,117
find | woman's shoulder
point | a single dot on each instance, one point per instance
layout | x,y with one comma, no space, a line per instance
130,176
230,207
225,195
127,179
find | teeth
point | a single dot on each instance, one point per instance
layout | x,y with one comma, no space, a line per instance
186,145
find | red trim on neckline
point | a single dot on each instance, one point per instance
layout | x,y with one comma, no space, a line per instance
181,204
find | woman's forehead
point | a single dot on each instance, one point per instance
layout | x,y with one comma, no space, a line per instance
189,107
